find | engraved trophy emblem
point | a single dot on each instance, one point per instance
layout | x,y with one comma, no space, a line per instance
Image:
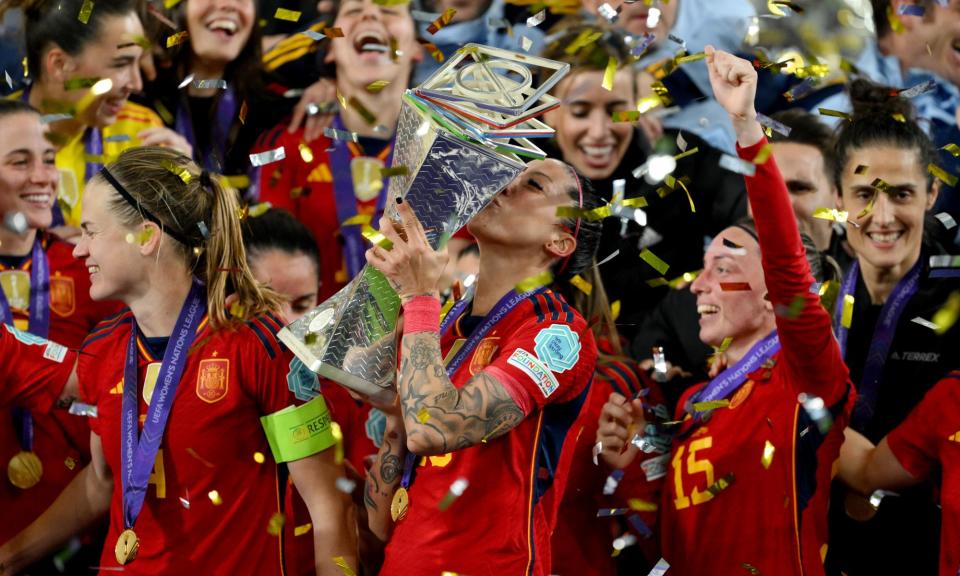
462,136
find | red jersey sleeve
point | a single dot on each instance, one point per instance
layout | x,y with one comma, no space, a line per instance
33,370
807,342
277,378
546,361
279,180
915,442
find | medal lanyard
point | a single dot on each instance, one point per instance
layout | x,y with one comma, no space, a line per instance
504,306
345,198
731,379
869,385
213,158
137,455
39,325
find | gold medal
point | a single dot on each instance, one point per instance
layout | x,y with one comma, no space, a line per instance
401,501
367,181
127,547
25,470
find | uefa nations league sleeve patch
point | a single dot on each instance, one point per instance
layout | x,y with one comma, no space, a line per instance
558,347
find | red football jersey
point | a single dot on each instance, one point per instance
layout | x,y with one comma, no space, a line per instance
32,371
928,443
60,440
582,543
502,522
209,503
771,519
305,189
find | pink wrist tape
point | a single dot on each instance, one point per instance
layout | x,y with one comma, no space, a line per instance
421,314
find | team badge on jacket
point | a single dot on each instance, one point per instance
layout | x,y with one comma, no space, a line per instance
213,379
62,295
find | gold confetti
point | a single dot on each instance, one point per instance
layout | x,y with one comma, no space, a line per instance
899,117
70,463
243,112
763,155
946,316
288,15
941,174
85,10
275,525
432,49
376,237
259,458
582,285
721,484
584,39
654,261
609,74
846,318
303,529
641,505
953,149
834,113
527,284
394,171
724,345
831,214
180,171
178,38
141,238
362,110
442,21
168,4
895,24
306,154
338,437
214,497
767,457
333,32
358,220
625,116
423,416
377,85
391,2
687,153
80,83
691,58
341,563
710,405
869,207
861,169
615,309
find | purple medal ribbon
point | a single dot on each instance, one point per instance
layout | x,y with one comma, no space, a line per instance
346,201
226,110
728,381
138,455
39,325
883,334
508,302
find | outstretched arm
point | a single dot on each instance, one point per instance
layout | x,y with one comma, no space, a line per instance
803,325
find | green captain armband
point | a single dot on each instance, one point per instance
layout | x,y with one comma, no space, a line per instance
299,431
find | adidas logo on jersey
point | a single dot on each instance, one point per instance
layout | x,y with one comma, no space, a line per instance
118,389
955,437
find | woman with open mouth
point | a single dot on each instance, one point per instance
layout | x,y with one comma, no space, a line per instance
749,468
84,68
885,320
44,290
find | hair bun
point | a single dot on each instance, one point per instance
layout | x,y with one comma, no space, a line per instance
874,100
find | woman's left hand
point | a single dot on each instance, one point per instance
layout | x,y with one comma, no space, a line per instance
411,265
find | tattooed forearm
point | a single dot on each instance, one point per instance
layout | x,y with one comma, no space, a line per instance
440,418
383,479
390,468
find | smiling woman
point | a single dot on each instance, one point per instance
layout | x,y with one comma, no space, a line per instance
882,171
84,71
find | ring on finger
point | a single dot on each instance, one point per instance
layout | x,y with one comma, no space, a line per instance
313,109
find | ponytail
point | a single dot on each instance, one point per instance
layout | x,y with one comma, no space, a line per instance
199,215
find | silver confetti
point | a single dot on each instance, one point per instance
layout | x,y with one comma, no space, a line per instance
218,83
118,138
608,12
946,219
537,19
346,485
51,118
922,88
660,569
268,157
15,222
334,134
778,127
81,409
659,364
737,165
925,323
186,82
314,35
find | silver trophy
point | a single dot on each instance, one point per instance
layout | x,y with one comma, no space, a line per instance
460,136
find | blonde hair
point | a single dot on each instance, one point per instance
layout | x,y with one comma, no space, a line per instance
200,215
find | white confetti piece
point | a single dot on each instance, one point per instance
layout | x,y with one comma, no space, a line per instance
537,19
268,157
